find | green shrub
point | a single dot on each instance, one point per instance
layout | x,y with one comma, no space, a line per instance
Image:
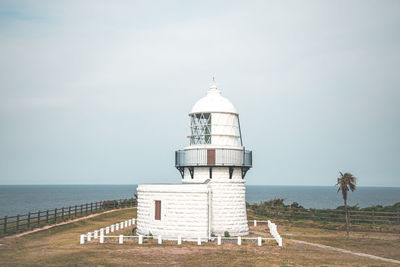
226,234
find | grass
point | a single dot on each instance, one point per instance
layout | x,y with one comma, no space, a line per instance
59,246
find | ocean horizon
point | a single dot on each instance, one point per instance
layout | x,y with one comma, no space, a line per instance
21,199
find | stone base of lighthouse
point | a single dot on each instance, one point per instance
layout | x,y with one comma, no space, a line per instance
197,208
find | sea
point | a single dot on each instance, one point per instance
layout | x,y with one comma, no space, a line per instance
21,199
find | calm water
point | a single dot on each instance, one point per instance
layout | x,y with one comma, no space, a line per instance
21,199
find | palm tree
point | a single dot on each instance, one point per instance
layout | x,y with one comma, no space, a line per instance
346,182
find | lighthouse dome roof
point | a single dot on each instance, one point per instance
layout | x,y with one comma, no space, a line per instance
213,102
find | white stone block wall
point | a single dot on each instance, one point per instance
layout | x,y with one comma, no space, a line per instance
228,210
220,174
184,210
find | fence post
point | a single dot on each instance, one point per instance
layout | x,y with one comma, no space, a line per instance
17,226
179,240
76,208
62,214
259,241
89,236
38,218
91,207
81,209
373,217
95,234
55,215
82,241
140,239
86,209
239,240
199,241
28,225
121,239
47,216
5,224
101,236
69,212
255,222
159,240
219,240
95,206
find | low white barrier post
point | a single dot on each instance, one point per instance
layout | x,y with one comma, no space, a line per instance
116,226
239,240
126,224
199,241
96,234
112,228
101,231
121,225
82,241
89,236
255,222
107,230
121,239
280,241
259,241
129,222
179,240
159,240
219,240
133,220
101,237
140,239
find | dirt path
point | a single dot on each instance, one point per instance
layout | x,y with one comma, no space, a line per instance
62,223
338,249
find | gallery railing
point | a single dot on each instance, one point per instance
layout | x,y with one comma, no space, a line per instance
213,157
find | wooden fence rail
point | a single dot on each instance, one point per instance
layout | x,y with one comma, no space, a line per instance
25,222
356,217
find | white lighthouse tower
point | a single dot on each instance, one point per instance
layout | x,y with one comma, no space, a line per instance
216,155
212,197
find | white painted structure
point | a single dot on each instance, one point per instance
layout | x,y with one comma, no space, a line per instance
211,198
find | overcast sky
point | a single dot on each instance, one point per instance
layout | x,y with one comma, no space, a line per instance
98,92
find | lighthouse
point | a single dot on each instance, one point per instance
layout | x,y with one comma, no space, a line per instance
211,199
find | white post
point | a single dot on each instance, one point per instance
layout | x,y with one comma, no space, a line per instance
96,234
140,239
121,239
159,240
82,241
122,225
129,222
126,224
112,228
280,241
199,241
89,236
239,240
219,240
116,226
179,240
107,230
101,237
255,222
133,220
101,231
259,241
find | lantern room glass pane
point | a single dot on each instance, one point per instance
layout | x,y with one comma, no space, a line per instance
200,127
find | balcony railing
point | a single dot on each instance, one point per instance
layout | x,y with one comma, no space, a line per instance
213,157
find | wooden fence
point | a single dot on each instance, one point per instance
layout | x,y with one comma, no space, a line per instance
25,222
356,217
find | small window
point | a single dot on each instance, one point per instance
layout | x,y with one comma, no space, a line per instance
157,214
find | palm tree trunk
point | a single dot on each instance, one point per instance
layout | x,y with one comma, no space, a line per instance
347,217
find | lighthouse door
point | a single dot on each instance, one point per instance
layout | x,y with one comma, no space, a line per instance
211,157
